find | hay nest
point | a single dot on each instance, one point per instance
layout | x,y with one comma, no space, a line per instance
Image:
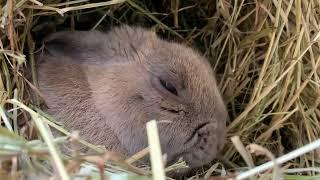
266,53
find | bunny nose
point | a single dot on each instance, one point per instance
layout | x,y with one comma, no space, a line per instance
203,145
195,133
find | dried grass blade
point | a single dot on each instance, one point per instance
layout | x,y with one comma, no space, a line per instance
38,119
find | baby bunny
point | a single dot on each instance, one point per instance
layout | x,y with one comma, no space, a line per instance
109,85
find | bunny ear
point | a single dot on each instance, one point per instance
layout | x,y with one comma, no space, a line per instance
77,45
95,46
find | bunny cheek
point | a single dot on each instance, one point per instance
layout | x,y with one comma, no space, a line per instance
115,94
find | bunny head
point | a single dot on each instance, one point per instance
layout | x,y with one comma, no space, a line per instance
109,85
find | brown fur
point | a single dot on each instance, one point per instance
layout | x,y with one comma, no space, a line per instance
106,85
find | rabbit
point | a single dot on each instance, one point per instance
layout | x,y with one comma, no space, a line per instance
108,85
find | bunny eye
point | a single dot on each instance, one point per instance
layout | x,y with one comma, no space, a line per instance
169,87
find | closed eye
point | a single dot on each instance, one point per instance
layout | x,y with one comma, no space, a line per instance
169,87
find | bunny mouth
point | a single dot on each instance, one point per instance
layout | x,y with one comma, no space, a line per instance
193,159
201,147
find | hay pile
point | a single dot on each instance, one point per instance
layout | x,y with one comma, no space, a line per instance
266,53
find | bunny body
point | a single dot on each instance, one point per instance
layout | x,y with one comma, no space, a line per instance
108,85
